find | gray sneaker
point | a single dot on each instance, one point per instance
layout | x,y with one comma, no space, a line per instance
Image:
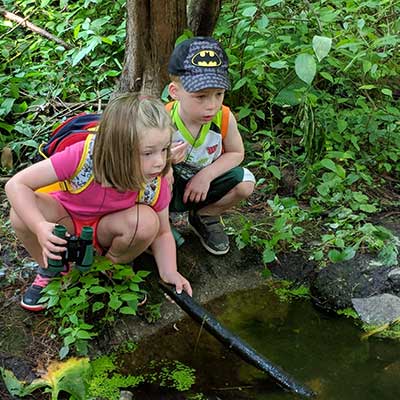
211,233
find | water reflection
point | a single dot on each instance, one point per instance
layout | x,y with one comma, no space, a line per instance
324,352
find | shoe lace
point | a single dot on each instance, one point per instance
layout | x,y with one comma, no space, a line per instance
41,281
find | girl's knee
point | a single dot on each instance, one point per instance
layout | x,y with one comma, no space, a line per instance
148,223
16,222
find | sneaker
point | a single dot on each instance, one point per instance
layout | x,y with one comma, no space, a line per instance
211,233
30,300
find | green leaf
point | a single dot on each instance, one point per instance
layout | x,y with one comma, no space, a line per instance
275,171
321,46
69,340
249,11
278,64
335,255
115,303
305,67
6,106
17,387
367,87
84,335
97,306
327,76
268,256
271,3
328,164
127,310
387,92
368,208
98,289
70,376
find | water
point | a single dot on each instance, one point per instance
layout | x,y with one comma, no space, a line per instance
324,352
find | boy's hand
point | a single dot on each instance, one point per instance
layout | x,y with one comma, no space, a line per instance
178,151
197,188
181,283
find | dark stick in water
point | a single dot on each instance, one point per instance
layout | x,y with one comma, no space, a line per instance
244,350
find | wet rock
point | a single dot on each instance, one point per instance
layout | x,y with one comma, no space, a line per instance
394,276
335,286
378,310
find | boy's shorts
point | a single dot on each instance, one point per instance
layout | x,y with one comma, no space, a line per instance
219,187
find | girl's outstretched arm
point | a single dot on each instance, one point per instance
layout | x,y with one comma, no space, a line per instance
20,190
164,251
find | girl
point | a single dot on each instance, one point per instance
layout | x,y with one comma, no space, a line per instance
104,175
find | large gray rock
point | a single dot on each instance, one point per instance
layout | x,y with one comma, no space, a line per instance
378,310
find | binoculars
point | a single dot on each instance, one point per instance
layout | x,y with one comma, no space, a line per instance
79,250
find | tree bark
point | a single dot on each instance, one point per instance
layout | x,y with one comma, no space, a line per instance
152,28
203,15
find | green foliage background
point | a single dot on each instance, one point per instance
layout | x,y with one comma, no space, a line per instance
314,87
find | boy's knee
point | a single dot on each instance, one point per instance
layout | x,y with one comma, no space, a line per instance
244,189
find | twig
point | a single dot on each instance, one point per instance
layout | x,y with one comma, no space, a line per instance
26,24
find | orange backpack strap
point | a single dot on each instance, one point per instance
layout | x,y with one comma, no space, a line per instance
169,105
225,121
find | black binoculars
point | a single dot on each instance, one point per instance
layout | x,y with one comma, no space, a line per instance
79,250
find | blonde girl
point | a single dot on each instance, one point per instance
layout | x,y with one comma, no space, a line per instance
127,157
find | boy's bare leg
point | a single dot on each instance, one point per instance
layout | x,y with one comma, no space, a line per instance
128,233
52,211
240,192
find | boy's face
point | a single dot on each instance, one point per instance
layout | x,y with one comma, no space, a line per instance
198,107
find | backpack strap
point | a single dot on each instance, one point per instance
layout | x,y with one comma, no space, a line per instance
225,120
83,175
169,106
151,192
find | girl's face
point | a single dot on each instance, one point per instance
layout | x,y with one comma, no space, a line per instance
154,144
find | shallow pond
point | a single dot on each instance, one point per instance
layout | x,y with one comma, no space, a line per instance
325,352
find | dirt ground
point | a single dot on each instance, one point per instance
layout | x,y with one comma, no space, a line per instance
26,340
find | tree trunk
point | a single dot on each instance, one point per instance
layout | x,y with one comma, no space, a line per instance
151,30
203,15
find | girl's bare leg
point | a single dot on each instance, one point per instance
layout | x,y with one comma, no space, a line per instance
52,211
128,233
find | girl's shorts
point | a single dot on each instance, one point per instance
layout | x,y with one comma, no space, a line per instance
80,223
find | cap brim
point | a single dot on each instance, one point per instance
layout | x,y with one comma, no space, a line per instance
193,83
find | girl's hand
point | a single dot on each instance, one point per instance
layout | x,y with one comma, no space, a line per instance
181,283
178,151
50,243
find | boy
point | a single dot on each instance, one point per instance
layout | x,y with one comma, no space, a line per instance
207,147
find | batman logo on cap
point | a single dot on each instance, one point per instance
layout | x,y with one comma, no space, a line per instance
206,58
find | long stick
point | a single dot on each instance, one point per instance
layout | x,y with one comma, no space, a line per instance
23,22
244,350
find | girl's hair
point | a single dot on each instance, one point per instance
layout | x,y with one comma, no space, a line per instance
116,152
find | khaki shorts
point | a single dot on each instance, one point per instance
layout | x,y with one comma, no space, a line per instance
219,187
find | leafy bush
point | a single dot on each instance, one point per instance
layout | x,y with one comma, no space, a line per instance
82,304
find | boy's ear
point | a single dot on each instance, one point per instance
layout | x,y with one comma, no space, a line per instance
173,90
